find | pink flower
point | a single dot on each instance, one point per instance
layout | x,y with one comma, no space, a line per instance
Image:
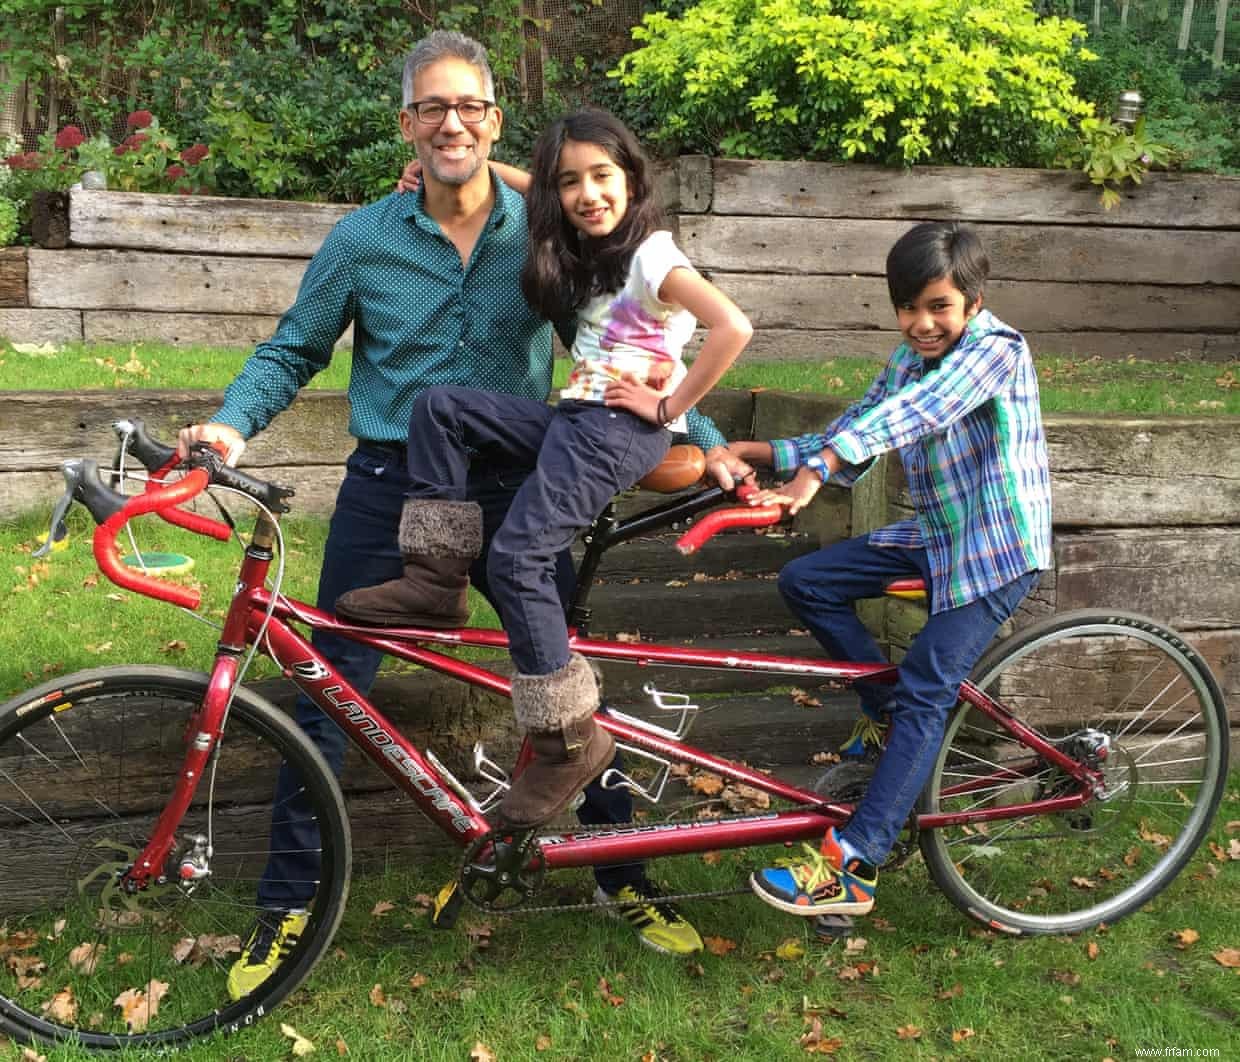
121,149
194,154
29,160
139,120
175,172
132,143
69,138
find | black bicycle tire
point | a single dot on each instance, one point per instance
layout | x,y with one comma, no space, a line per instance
258,713
942,868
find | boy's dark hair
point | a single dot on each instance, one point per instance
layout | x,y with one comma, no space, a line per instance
563,267
936,249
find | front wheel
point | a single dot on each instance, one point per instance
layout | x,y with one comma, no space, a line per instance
1136,702
86,765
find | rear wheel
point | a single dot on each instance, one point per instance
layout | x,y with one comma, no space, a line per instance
1132,699
86,765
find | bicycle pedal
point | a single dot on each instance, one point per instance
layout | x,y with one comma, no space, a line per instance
446,908
829,928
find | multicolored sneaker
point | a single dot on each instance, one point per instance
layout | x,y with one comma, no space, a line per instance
659,925
819,884
272,940
867,740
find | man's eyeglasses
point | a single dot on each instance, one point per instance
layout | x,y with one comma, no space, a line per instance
432,112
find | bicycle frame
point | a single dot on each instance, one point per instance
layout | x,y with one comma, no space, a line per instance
258,616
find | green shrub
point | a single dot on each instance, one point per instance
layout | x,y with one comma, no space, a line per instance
8,222
895,81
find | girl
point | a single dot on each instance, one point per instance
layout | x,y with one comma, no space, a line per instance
597,251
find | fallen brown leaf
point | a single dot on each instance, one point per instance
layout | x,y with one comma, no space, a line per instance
481,1053
604,990
855,945
803,699
951,993
140,1005
382,908
377,998
1066,977
815,1042
790,949
342,1048
1185,937
301,1046
706,783
1229,957
62,1007
959,1035
908,1032
719,945
418,980
85,957
542,1043
1092,950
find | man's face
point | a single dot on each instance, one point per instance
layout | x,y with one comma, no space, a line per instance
452,152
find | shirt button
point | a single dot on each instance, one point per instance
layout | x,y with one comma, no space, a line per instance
461,343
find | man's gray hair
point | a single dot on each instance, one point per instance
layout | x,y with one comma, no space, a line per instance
446,44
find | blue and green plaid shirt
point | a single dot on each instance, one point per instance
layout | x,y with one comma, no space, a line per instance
970,436
420,318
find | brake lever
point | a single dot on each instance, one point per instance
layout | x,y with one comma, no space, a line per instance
57,530
82,483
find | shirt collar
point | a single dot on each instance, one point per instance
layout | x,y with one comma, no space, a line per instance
413,207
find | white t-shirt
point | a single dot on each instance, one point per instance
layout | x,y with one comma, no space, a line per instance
629,334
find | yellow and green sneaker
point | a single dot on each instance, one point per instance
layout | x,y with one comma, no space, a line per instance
272,939
658,924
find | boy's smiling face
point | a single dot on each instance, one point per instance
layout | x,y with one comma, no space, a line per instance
934,321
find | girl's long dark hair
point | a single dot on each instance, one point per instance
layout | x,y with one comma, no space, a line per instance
564,268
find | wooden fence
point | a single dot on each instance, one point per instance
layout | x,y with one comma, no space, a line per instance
799,245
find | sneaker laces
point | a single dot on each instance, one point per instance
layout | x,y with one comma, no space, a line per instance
819,867
647,896
263,936
869,732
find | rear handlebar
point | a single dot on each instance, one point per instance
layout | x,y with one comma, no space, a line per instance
723,519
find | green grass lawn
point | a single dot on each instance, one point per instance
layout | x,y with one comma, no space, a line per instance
1068,385
919,981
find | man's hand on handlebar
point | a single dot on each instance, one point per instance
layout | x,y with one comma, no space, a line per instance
727,468
223,437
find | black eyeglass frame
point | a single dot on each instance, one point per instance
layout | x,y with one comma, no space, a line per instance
417,108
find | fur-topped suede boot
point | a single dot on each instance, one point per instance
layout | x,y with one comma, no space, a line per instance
570,748
439,541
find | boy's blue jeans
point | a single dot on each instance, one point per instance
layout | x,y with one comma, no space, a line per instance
820,588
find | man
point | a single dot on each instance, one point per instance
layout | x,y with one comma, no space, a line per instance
430,282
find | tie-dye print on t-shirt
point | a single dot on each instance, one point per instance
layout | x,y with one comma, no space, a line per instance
631,335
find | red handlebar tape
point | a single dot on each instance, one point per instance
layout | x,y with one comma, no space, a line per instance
154,500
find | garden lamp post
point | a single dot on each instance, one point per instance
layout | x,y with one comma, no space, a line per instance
1128,105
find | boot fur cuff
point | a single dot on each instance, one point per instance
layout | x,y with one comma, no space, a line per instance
435,528
551,702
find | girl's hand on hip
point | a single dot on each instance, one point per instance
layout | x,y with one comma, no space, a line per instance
638,399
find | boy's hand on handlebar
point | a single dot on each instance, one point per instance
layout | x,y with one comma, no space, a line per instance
410,178
796,494
727,469
224,438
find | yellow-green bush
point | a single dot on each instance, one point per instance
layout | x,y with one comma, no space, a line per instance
978,82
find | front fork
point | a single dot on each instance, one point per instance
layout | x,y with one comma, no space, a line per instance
201,736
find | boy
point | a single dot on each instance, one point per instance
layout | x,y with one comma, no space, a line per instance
959,400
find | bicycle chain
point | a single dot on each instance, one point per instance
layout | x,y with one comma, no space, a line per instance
599,905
